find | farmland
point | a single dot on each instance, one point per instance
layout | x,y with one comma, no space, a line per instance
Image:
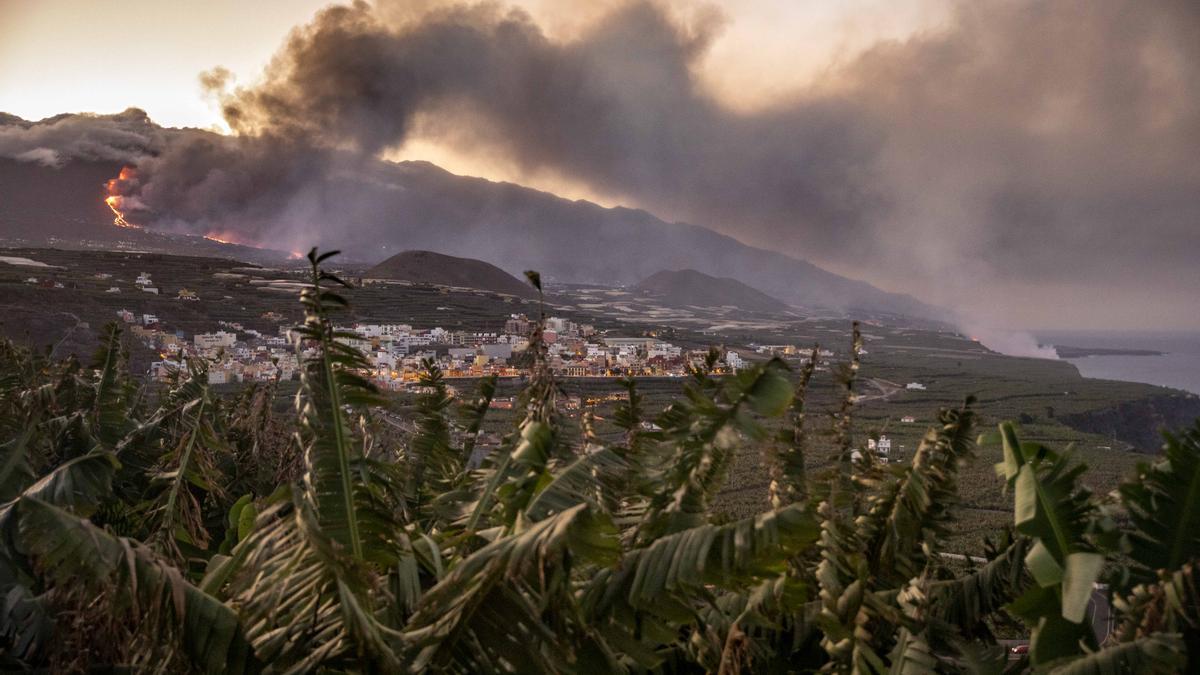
1040,393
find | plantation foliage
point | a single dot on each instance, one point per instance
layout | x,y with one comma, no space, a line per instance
185,532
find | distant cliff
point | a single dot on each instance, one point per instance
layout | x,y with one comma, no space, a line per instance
1140,422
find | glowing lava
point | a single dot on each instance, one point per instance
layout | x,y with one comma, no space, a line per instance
226,237
114,203
114,199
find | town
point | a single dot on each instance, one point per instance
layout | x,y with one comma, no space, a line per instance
396,351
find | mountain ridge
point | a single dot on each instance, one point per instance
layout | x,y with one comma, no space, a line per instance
383,207
430,267
690,287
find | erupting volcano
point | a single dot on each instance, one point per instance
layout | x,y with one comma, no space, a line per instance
115,199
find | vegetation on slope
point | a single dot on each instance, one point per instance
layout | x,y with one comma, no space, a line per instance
177,533
689,287
427,267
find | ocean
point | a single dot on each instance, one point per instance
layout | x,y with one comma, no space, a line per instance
1179,367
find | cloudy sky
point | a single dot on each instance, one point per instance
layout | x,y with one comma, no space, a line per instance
1029,161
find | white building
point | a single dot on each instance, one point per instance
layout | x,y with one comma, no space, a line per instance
214,340
884,445
914,386
882,448
497,351
664,349
218,376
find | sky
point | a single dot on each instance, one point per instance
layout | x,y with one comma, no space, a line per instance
85,56
1029,161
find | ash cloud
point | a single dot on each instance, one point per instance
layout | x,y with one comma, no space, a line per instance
125,137
1027,162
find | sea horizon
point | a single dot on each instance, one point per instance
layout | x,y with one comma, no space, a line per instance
1177,367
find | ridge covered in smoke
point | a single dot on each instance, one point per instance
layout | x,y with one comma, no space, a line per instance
1026,154
383,207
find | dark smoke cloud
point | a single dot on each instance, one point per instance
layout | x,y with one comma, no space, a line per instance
619,109
1028,154
126,137
1033,142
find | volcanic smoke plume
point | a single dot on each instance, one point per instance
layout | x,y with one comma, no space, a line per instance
1036,149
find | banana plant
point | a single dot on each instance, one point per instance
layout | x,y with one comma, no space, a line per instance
316,560
1062,520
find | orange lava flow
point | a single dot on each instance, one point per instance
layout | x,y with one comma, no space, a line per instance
226,237
114,188
114,202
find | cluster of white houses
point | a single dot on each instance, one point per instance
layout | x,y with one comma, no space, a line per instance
233,353
396,352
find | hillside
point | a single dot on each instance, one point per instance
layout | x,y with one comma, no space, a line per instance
520,228
689,287
427,267
386,206
64,207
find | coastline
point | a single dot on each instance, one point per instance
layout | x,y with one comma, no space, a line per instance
1130,356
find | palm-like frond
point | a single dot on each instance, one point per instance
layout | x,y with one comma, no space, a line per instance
705,429
965,603
16,469
78,485
306,603
1157,654
641,604
1170,606
331,385
913,653
907,517
178,448
68,550
736,554
1163,503
1053,509
497,609
473,413
432,462
309,577
789,480
109,419
594,477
